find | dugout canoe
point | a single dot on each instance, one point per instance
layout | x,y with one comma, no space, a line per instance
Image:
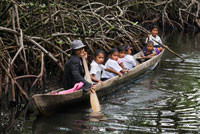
49,103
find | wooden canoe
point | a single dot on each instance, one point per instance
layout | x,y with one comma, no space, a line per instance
48,103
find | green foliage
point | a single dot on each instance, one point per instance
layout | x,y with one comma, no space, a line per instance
134,23
43,5
60,42
75,29
52,4
89,31
111,27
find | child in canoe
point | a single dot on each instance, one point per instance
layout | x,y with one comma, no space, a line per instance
122,52
128,60
112,64
154,36
96,67
149,51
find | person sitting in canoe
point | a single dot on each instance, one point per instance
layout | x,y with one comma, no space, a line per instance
149,51
96,67
112,64
73,68
122,52
154,36
128,60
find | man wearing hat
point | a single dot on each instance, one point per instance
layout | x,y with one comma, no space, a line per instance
73,69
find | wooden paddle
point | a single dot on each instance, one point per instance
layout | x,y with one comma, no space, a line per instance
167,48
94,101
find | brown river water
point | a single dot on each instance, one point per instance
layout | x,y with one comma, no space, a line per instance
167,100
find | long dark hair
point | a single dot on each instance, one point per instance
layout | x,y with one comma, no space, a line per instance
97,52
121,48
154,26
112,51
127,47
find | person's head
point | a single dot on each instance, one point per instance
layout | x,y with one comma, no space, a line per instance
99,56
122,51
154,30
78,48
128,49
149,46
114,54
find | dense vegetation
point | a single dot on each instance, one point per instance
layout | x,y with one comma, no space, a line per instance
35,36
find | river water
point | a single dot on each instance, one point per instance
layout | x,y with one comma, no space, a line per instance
167,100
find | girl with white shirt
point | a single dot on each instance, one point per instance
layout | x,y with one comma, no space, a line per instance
154,36
128,60
112,64
96,67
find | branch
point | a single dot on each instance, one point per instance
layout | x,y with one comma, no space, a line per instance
35,43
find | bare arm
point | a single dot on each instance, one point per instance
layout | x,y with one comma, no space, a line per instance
142,55
153,54
149,56
148,38
113,71
124,70
94,79
121,65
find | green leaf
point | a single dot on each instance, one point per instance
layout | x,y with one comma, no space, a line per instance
90,31
60,42
75,29
43,6
135,23
112,27
31,4
52,4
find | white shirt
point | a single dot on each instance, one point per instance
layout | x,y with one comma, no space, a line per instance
129,62
112,64
96,69
157,38
120,60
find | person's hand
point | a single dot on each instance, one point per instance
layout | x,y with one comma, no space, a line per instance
148,36
100,82
92,89
149,56
125,70
119,74
85,54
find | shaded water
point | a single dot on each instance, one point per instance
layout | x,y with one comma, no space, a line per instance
165,101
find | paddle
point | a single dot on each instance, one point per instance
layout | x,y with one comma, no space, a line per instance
93,96
167,48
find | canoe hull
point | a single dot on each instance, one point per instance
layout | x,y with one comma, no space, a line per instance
48,103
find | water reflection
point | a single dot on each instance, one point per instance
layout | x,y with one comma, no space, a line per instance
96,116
13,119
